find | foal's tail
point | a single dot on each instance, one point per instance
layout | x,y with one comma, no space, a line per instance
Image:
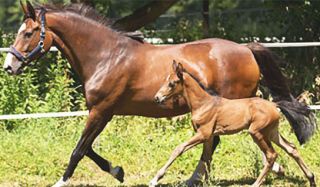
299,115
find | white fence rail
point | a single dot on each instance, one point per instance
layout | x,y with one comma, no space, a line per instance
70,114
84,113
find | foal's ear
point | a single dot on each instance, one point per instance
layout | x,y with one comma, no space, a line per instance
28,10
174,65
179,71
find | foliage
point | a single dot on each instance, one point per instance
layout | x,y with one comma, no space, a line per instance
46,86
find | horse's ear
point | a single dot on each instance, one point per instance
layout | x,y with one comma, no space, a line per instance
28,10
31,11
24,8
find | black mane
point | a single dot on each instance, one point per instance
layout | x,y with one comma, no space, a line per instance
208,90
90,13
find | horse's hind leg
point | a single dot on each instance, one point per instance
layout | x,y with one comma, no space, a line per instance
266,147
292,151
195,140
276,168
117,172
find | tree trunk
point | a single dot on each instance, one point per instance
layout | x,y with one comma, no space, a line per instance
86,2
205,15
144,15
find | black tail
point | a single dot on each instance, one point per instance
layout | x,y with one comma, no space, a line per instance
299,115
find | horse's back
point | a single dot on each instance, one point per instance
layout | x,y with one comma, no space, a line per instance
230,68
223,66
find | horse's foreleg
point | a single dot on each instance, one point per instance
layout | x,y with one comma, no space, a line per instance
95,124
203,166
117,172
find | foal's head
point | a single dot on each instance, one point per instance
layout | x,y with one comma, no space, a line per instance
32,40
173,85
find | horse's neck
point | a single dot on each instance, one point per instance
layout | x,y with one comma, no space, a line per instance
195,96
85,44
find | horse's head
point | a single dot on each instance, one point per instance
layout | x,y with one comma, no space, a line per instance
173,85
32,40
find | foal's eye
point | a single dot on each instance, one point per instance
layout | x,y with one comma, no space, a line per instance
171,85
28,34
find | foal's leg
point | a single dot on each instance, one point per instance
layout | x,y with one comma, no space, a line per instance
203,167
195,140
266,147
95,124
292,151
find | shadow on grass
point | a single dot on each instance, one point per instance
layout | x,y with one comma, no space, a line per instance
296,180
250,180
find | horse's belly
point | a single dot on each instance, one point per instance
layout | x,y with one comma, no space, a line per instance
150,109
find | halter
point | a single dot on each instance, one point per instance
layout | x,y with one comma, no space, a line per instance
36,50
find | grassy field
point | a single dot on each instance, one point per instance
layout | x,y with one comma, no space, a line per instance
36,152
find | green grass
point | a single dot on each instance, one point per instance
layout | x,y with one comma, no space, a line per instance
36,152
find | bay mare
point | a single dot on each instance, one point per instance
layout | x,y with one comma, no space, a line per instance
121,73
212,115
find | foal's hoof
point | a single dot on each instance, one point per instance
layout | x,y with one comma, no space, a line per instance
119,174
280,172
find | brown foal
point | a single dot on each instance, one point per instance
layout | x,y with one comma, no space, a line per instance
213,115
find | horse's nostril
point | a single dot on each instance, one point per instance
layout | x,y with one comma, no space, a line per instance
8,69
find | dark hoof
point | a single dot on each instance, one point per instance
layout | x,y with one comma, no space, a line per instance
281,172
120,175
194,183
312,181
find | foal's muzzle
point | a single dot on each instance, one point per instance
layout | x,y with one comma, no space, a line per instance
159,99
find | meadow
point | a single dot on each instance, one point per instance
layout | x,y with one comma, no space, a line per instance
36,152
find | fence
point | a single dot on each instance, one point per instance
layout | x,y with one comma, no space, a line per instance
84,113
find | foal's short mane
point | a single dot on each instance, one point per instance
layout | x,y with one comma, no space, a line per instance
90,13
209,91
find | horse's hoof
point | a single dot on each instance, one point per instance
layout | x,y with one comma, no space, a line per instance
153,183
119,174
61,183
193,183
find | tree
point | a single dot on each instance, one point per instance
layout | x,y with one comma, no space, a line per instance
144,15
87,2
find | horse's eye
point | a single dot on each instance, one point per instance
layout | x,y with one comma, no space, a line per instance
28,34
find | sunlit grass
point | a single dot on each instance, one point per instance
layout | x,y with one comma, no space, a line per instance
36,152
